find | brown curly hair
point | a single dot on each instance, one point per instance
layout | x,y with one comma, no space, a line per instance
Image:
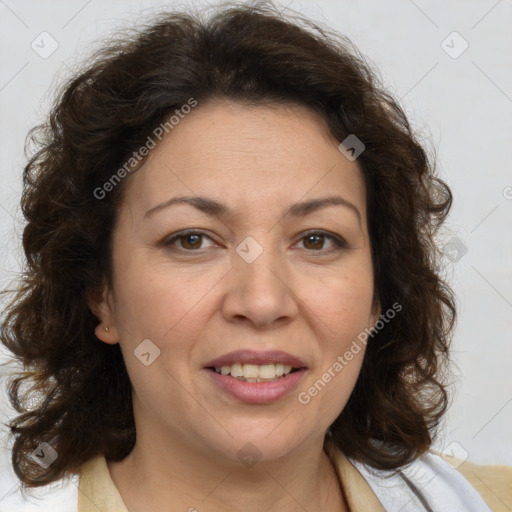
74,391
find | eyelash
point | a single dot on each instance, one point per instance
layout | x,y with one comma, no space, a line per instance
339,242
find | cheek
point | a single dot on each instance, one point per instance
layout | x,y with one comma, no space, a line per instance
343,303
341,308
155,299
327,391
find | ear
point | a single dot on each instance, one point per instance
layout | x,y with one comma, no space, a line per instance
101,303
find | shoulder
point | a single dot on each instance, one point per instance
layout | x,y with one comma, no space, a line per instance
428,483
61,496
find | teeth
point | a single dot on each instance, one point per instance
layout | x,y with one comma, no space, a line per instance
267,371
254,372
251,371
237,370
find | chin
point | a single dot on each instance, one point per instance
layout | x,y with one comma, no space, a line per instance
251,444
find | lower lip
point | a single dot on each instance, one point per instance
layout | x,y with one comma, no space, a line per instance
257,392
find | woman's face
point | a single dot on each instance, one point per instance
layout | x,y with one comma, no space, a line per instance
271,271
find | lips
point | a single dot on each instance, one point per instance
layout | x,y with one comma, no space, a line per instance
259,390
258,358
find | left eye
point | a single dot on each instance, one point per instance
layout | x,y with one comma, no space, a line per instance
315,241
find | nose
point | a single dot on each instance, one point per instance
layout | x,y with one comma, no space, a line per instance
260,292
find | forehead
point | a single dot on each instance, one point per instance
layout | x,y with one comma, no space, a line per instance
246,155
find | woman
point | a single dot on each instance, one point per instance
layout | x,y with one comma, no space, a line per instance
230,299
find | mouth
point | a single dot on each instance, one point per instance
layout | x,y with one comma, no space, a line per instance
255,373
254,366
256,377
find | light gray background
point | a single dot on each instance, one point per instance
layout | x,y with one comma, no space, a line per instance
462,107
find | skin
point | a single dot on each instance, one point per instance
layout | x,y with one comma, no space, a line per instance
198,299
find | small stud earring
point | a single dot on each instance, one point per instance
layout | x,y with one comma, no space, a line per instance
106,329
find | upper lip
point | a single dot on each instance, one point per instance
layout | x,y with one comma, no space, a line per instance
254,357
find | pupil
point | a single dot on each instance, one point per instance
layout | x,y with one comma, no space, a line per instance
317,239
194,239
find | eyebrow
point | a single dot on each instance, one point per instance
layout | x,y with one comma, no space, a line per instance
214,208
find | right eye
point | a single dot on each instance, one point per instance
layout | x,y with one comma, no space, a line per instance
189,241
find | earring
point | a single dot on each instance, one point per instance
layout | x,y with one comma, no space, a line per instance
106,329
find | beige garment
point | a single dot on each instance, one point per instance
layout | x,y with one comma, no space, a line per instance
96,490
494,483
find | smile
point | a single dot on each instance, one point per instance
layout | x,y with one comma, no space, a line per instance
254,372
